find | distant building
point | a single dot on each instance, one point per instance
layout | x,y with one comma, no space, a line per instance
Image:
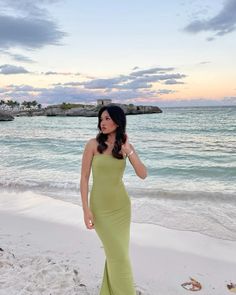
103,101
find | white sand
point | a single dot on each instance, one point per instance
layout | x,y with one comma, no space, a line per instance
48,250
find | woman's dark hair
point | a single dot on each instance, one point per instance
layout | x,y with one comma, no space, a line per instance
118,116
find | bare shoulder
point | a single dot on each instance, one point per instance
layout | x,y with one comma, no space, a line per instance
91,145
91,142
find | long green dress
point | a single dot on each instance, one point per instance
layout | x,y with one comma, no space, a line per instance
111,208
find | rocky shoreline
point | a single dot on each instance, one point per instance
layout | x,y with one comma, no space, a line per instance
6,116
77,110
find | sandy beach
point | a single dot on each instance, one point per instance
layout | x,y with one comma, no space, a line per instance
46,249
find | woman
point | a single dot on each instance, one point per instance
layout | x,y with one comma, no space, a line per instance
109,208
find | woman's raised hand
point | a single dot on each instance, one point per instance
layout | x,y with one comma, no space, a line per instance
126,148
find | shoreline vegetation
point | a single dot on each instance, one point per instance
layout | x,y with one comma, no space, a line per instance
10,109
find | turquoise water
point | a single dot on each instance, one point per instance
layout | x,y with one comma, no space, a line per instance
190,155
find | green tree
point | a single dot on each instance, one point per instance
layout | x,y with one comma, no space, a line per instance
2,104
34,103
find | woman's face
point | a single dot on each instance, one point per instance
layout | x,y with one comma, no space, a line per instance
107,124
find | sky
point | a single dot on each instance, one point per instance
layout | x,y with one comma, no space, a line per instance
166,53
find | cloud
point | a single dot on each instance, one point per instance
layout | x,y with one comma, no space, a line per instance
125,96
105,83
204,62
73,84
24,88
230,100
150,71
59,94
196,102
28,25
136,84
223,23
51,95
20,57
140,80
147,81
124,88
120,87
165,91
167,77
17,56
210,38
50,73
11,69
28,32
172,82
57,73
26,7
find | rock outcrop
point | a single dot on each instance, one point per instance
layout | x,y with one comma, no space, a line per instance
92,111
4,116
87,110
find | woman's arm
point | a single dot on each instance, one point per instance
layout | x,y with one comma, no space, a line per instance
139,167
85,174
84,182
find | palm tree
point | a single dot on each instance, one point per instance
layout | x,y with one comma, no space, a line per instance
10,103
26,104
2,104
34,103
17,104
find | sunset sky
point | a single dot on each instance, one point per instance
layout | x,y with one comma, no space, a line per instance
165,53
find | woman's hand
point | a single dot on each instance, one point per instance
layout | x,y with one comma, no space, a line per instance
130,152
88,219
126,147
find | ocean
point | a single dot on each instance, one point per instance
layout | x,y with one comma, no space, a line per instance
190,154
